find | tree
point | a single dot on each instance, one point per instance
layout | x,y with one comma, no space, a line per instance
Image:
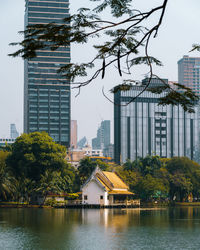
180,186
131,178
151,187
85,169
32,154
127,36
7,181
144,166
147,177
39,165
184,177
24,188
50,182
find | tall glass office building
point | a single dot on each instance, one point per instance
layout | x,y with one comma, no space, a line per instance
46,93
145,128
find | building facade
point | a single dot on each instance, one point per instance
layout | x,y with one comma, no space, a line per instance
189,73
145,128
47,93
74,130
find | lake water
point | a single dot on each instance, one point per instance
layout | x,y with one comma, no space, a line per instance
174,228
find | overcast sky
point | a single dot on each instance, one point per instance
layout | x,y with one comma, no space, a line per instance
179,31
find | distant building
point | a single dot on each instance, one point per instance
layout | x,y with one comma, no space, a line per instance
189,73
145,128
6,141
103,136
105,127
95,143
75,155
109,151
73,137
89,151
82,142
13,131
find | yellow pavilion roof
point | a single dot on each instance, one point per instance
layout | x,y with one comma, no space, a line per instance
101,181
120,192
115,180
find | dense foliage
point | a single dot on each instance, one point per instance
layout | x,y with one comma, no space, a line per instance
7,181
35,165
162,179
38,165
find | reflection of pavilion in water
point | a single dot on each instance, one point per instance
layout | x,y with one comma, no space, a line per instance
117,219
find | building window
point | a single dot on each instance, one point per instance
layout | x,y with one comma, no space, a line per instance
101,197
108,197
85,197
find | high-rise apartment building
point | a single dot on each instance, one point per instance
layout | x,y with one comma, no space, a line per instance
145,128
189,73
47,93
73,138
103,136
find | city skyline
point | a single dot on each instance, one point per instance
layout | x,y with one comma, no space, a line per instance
96,103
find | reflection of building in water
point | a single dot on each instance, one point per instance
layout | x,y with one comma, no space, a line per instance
116,219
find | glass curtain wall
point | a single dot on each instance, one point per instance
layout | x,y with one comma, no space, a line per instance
143,127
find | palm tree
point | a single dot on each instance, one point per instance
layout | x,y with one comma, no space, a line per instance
49,184
7,181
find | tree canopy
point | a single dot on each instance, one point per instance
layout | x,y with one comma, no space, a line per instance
38,165
124,42
32,154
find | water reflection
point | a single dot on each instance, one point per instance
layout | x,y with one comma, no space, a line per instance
118,220
99,229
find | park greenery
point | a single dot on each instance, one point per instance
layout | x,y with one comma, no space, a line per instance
36,165
154,178
121,39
